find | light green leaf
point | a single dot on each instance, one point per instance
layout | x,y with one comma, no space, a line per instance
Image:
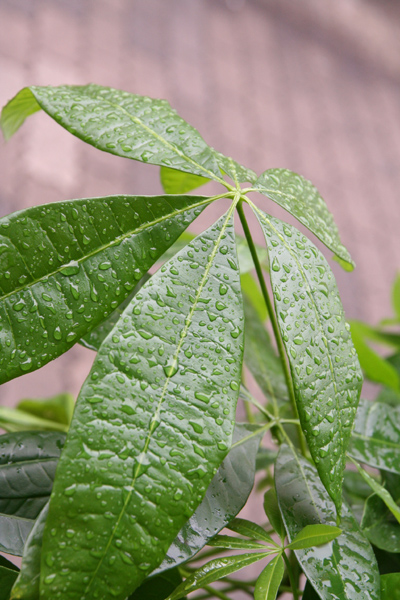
396,296
345,568
270,579
151,426
390,586
234,543
314,535
58,408
252,294
27,586
379,525
381,491
12,419
376,436
178,182
250,529
7,578
214,570
271,509
225,497
120,123
326,374
77,260
302,200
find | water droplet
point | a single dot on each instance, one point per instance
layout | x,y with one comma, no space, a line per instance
275,265
170,370
72,268
202,397
57,333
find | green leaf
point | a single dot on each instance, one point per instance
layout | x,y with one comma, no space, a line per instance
225,497
158,587
153,440
12,419
302,200
58,408
27,585
346,568
120,123
396,296
214,570
234,543
314,535
250,529
252,294
270,579
309,593
326,374
236,172
265,458
81,260
271,509
7,578
16,111
380,491
374,366
13,534
261,359
178,182
376,436
245,259
4,562
378,524
390,586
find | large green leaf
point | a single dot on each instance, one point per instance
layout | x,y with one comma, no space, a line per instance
346,568
225,497
65,266
376,436
120,123
325,370
7,578
27,586
390,586
302,200
379,525
152,423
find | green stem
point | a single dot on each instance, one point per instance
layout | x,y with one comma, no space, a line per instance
292,579
272,316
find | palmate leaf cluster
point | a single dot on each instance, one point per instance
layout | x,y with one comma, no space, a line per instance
118,497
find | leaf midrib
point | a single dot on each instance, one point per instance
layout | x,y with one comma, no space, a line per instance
115,241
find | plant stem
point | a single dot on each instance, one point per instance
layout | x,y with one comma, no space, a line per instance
272,316
292,579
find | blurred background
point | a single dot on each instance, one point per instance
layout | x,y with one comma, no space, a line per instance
311,86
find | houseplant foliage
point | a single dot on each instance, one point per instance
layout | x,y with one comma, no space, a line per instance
120,499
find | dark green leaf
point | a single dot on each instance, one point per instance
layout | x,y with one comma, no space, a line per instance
13,534
250,529
158,587
225,497
57,408
4,562
376,436
27,586
265,458
390,586
355,492
302,200
234,543
379,525
272,511
152,423
7,578
381,491
346,568
214,570
269,580
120,123
314,535
81,260
309,593
178,182
326,374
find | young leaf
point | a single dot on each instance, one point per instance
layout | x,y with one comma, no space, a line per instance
380,526
120,123
225,497
250,529
7,578
325,370
58,408
270,579
314,535
214,570
152,423
27,584
234,543
178,182
390,586
272,511
302,200
376,436
82,259
13,419
380,491
346,568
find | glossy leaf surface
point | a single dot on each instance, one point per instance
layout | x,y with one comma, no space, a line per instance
314,535
236,172
250,529
27,586
225,497
234,543
66,266
326,374
152,424
178,182
120,123
302,200
269,580
376,436
214,570
344,569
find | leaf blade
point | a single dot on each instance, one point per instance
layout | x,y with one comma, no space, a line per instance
314,535
270,579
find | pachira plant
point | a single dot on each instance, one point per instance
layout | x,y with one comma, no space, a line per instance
124,495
